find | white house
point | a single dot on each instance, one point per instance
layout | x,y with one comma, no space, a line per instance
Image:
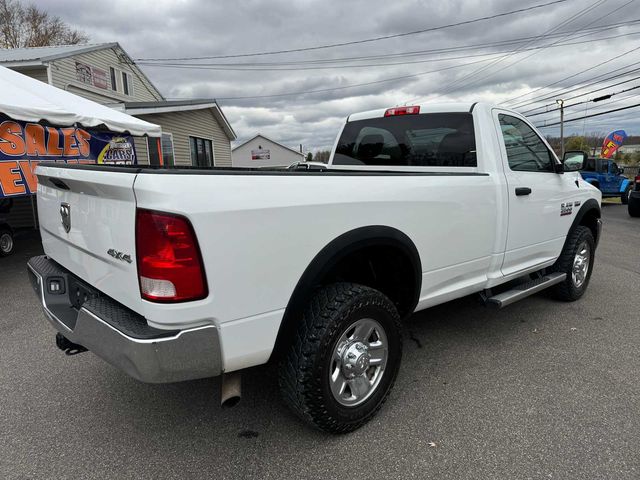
261,151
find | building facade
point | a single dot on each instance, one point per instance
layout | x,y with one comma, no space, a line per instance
261,151
105,74
195,132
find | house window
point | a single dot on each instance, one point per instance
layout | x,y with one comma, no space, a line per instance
161,150
112,73
167,149
83,73
99,78
201,152
154,146
127,84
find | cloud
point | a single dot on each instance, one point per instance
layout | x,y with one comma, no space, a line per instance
195,28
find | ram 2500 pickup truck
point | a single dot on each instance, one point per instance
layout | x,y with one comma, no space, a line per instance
173,274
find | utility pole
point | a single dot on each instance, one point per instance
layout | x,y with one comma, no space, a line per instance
560,103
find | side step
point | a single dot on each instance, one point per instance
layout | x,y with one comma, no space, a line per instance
524,290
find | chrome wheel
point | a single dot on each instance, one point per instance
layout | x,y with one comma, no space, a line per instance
6,243
581,265
358,362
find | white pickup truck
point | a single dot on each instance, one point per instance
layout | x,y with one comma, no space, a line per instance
173,274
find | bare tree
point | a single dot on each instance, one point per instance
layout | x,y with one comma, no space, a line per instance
29,26
321,156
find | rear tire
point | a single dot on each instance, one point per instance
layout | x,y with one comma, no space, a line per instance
576,260
344,359
6,242
624,197
634,206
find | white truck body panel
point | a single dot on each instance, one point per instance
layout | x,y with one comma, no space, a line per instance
258,232
103,208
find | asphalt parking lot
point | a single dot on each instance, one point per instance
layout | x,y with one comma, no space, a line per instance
541,389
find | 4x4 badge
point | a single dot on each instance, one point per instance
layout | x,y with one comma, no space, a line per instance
119,255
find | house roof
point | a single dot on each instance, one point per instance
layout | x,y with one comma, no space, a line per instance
269,140
168,106
32,56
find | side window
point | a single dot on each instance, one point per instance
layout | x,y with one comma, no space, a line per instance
526,152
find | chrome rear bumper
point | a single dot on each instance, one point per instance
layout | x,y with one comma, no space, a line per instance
120,336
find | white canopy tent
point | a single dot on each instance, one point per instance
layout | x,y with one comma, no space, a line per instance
30,100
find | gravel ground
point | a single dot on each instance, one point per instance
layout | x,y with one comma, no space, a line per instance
541,389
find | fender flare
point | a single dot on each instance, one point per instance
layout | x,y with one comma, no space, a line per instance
337,250
590,205
625,184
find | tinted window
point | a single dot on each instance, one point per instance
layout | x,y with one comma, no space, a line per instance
526,152
427,140
112,74
201,152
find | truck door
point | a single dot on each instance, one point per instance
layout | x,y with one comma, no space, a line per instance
540,201
604,176
614,178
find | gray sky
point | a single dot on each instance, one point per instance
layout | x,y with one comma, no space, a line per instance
198,28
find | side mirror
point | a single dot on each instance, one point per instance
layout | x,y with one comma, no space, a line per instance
574,160
620,171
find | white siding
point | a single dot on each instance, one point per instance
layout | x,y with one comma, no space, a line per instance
280,156
63,75
195,123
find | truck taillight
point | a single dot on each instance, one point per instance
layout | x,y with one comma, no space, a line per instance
391,112
170,266
638,179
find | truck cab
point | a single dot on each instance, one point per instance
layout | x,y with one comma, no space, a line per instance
604,174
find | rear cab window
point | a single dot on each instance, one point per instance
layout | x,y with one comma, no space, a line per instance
424,140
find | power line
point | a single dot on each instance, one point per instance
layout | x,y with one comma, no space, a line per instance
605,106
585,11
384,80
248,67
434,51
589,116
598,79
528,114
454,86
525,103
367,40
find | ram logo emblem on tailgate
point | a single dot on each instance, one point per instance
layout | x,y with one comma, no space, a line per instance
65,214
119,255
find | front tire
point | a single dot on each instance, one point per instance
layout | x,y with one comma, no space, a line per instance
6,242
344,359
576,260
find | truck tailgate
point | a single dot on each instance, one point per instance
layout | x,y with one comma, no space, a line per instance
87,222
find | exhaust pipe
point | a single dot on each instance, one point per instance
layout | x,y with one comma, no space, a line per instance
231,390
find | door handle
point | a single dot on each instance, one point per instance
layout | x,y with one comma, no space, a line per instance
523,191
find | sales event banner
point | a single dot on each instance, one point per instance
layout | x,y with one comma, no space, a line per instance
24,145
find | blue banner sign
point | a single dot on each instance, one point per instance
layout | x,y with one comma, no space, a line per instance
24,145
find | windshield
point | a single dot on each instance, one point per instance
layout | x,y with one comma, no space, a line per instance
427,140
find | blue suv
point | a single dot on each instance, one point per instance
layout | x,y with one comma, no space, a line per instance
605,175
